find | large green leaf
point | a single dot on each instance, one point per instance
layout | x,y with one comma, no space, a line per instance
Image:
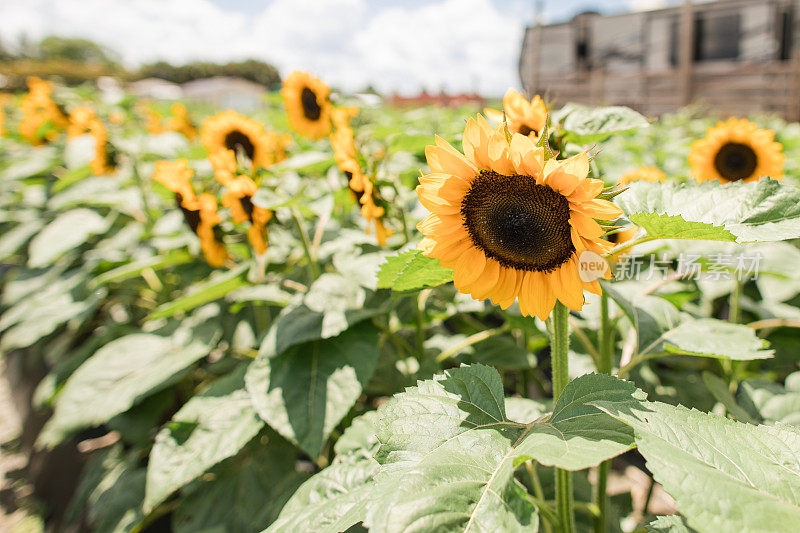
668,524
244,493
209,428
332,304
709,337
412,271
724,475
651,316
586,125
119,375
660,226
448,450
68,231
305,391
13,239
336,498
214,288
766,210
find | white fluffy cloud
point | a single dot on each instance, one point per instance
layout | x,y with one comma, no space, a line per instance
455,44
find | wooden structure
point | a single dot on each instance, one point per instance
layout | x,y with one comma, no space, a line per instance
733,56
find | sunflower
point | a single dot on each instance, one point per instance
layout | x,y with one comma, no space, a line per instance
246,137
84,120
736,150
181,122
239,200
42,117
509,224
307,105
199,212
521,116
642,174
360,185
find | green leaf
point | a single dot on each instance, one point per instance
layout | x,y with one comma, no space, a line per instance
305,391
220,422
675,227
332,501
724,475
771,401
412,271
135,268
119,375
448,450
651,316
766,210
40,161
709,337
214,288
722,393
332,305
668,524
13,239
68,231
586,125
243,494
578,435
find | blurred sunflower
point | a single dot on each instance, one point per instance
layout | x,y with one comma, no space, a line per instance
246,137
509,224
181,122
199,212
736,150
238,198
307,105
42,118
360,185
523,117
652,174
154,123
83,120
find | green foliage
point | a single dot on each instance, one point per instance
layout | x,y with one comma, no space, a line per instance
587,125
412,271
766,210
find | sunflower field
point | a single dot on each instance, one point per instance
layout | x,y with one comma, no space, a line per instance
331,316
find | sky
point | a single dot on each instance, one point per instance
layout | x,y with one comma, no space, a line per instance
394,45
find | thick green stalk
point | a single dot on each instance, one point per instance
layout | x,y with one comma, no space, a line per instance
559,352
605,364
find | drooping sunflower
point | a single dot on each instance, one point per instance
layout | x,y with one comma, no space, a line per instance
360,185
307,105
83,120
522,116
199,212
736,150
238,198
509,224
246,137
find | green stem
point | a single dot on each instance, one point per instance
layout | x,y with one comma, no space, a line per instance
422,299
606,361
313,266
143,193
559,353
735,304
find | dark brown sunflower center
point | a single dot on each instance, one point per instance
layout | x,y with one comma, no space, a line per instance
517,222
527,130
247,204
240,144
192,218
735,161
311,108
